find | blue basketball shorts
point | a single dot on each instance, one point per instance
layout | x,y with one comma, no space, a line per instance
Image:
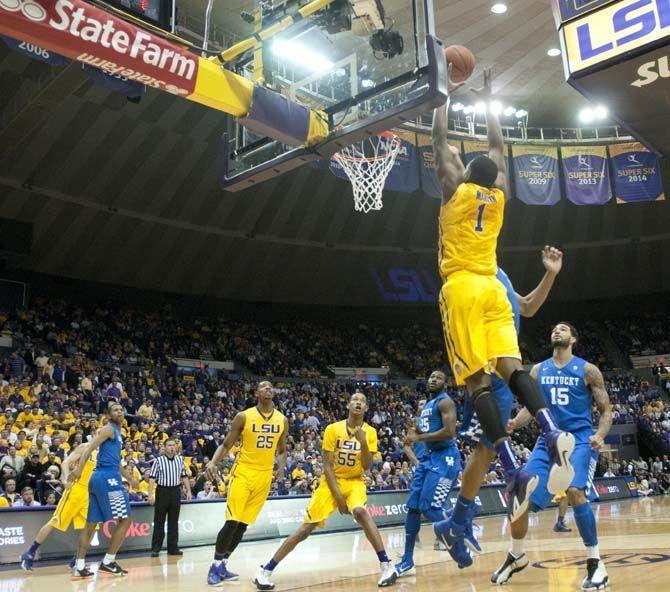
471,427
433,479
107,498
583,459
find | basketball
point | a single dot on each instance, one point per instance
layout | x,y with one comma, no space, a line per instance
462,62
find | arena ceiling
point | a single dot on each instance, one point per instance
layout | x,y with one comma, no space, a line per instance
128,194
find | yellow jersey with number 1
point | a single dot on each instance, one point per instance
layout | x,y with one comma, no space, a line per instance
346,450
470,223
260,437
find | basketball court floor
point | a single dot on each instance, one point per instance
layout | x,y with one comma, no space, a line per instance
634,543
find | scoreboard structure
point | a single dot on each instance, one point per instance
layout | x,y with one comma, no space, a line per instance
618,53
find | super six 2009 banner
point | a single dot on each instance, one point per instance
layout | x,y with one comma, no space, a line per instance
200,522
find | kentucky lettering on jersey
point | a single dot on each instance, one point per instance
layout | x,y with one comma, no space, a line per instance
346,449
567,394
470,223
431,421
260,438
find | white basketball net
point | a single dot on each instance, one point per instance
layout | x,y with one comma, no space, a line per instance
368,172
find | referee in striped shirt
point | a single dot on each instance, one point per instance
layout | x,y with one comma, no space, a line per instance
165,478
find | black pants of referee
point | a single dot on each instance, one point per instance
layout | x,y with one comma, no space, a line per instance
168,503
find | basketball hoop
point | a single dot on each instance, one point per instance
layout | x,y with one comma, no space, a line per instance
367,164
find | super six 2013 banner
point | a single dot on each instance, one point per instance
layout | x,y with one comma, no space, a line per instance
586,174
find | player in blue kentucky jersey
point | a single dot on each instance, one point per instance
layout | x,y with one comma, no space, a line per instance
570,385
108,499
462,514
437,471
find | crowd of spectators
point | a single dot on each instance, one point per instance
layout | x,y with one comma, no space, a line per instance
74,360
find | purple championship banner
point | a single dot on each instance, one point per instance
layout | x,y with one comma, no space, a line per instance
586,175
637,173
34,52
429,181
536,174
474,148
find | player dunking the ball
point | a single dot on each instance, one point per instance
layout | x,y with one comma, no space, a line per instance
477,316
348,449
438,469
262,432
570,385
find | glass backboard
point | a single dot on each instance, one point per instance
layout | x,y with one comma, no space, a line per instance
355,61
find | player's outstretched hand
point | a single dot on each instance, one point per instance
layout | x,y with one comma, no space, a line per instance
511,425
596,441
485,92
552,259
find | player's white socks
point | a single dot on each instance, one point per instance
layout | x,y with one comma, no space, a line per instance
81,564
593,552
218,562
108,559
517,547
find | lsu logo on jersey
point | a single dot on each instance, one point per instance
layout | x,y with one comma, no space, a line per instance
347,451
614,30
266,434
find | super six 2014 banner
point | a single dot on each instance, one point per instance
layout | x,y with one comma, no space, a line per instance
586,174
536,174
637,173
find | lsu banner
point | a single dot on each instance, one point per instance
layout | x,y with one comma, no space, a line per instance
637,173
430,184
536,174
587,180
473,148
34,52
404,176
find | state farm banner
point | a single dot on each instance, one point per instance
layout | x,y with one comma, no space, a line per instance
430,184
474,148
637,173
200,522
536,174
586,174
83,32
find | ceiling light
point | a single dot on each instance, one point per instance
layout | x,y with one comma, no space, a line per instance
469,109
457,107
499,8
509,111
480,107
299,54
496,107
367,83
600,112
553,52
521,113
586,115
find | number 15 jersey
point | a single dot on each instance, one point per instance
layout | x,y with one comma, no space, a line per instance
260,437
346,449
470,223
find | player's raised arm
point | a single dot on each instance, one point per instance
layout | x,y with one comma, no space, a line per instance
228,442
596,382
552,259
495,135
448,162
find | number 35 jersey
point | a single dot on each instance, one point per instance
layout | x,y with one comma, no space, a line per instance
346,449
567,394
260,437
470,223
